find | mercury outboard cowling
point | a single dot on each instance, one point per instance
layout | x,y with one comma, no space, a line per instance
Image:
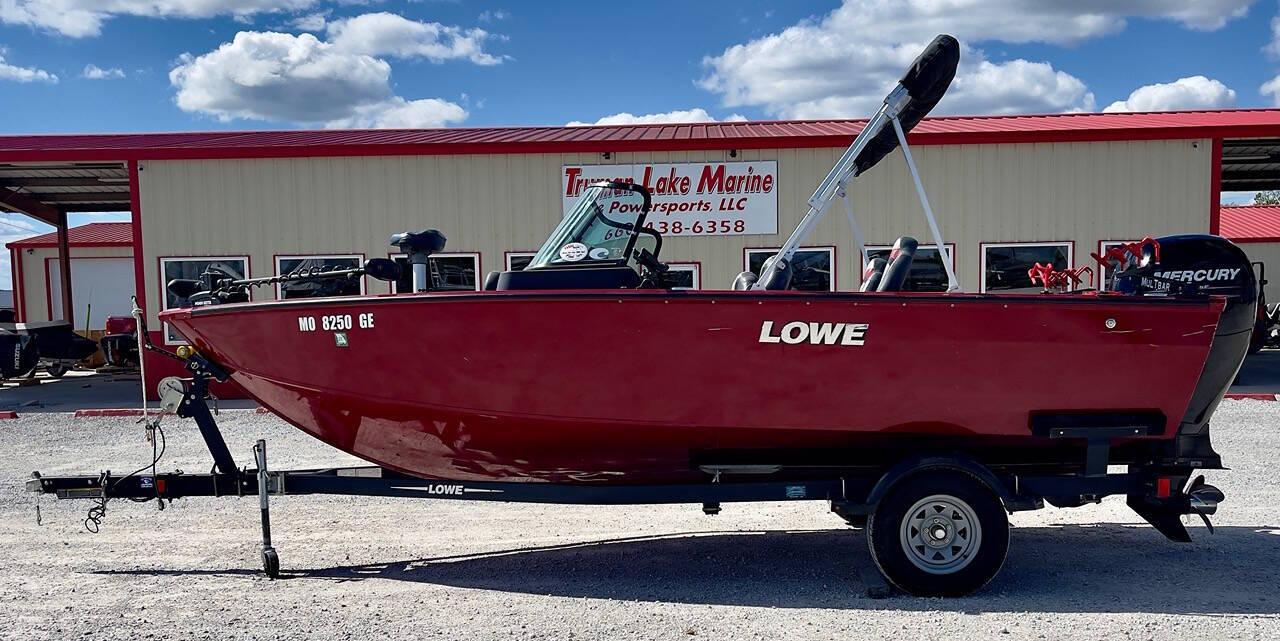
1197,264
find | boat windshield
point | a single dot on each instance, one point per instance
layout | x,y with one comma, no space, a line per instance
604,227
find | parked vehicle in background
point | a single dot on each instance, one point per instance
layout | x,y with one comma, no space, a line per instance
120,345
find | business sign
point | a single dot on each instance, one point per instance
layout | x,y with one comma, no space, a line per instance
695,198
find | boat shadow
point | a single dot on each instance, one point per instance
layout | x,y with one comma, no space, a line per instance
1066,568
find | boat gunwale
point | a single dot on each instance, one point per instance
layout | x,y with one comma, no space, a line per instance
1199,300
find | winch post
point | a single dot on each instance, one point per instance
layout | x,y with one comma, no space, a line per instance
270,560
194,406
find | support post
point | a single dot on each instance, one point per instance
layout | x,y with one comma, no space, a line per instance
953,285
270,559
64,262
857,233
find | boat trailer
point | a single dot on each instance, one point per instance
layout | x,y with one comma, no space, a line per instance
852,494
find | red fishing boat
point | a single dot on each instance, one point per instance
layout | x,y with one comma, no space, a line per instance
929,413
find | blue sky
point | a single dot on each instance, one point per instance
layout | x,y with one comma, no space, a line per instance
173,65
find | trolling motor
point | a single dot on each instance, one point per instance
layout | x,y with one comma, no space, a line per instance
216,286
419,246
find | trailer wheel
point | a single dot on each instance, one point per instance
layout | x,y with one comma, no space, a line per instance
939,534
57,370
271,563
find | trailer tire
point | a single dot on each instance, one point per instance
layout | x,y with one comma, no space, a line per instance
939,534
57,370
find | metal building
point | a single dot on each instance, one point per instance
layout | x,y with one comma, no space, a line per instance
1008,191
101,274
1256,228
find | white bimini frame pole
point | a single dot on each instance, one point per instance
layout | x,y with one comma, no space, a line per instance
844,171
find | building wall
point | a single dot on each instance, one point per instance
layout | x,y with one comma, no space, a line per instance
1269,255
1078,192
35,282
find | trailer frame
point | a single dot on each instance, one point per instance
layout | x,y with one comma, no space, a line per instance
1155,492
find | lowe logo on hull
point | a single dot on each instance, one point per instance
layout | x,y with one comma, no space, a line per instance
1199,275
797,332
439,488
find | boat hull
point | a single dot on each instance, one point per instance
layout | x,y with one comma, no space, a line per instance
634,386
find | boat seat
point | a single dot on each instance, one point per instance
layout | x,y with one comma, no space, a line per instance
777,279
895,274
872,274
743,281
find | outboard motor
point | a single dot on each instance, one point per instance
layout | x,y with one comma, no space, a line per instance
1193,264
18,353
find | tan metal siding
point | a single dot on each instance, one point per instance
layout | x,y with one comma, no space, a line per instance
1079,192
1269,255
35,281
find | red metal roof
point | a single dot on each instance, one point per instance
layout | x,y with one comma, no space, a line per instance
90,235
1239,123
1251,223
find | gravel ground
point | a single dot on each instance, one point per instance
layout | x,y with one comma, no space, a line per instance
400,568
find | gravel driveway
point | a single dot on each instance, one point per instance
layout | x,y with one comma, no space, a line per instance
369,568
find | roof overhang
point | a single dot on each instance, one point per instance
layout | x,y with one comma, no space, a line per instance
47,190
1251,164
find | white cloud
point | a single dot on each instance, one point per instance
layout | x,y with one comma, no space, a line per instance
1193,92
24,74
311,21
1272,87
697,114
94,72
1273,47
390,34
493,16
300,79
82,18
842,64
398,113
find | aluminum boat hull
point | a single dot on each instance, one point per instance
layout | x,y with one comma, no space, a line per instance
634,386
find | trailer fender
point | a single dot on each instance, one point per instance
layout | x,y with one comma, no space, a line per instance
960,463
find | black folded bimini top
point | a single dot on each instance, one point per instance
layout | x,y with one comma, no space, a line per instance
926,81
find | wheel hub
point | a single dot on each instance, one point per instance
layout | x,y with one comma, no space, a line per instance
940,534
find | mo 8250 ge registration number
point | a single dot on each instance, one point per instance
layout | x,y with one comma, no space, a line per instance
336,322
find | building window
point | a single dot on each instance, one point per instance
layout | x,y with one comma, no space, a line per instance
1103,246
191,268
454,271
811,267
517,261
317,288
927,273
684,275
1005,265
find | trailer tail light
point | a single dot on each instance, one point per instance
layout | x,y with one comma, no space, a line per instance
121,325
1162,487
160,486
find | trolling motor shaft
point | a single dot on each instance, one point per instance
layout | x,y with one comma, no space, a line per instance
418,247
